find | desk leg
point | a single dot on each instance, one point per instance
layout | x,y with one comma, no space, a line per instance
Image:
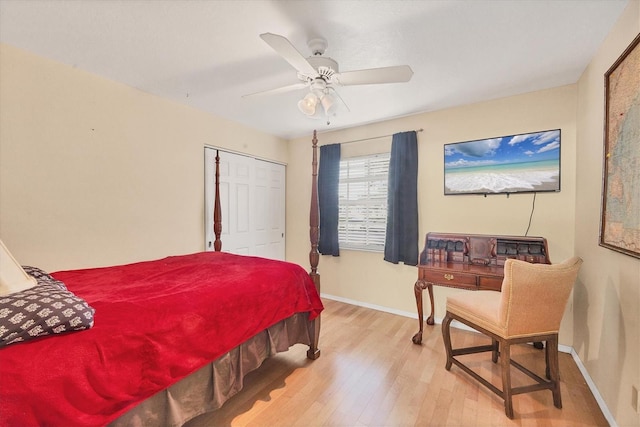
430,319
419,286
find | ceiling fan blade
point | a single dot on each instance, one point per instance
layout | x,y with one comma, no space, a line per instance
335,92
285,49
278,90
395,74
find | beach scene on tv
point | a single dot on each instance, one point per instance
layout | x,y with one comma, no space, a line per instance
527,162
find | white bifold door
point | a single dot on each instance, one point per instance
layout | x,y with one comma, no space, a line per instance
252,201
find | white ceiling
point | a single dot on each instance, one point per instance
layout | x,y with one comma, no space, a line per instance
207,53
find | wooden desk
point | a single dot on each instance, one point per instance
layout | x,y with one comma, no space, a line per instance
470,261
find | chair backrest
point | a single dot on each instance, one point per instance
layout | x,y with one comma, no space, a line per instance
534,296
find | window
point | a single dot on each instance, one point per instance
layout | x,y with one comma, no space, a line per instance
362,198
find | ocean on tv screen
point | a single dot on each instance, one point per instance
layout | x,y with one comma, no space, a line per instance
509,164
503,179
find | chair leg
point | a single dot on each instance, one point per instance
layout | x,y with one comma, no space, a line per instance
446,336
546,361
554,370
505,356
496,350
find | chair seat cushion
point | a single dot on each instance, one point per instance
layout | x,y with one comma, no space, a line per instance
479,307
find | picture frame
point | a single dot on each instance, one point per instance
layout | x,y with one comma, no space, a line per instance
620,208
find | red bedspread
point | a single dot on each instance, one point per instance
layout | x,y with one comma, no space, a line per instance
155,323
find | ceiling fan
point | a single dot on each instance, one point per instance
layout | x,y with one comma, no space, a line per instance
321,74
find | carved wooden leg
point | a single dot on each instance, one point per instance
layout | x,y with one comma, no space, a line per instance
314,255
417,290
430,319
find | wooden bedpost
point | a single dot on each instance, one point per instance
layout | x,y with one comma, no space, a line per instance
217,211
314,256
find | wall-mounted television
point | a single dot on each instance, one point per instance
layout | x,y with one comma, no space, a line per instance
522,163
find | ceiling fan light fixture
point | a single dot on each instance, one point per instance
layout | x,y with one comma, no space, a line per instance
320,73
328,104
308,104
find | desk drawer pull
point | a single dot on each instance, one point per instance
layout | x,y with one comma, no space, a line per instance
448,276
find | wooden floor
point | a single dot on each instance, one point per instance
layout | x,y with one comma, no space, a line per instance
371,374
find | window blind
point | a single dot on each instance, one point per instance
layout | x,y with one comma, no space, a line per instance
362,198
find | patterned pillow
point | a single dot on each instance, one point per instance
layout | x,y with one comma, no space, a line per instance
47,308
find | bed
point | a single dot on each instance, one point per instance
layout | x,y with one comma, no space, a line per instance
160,342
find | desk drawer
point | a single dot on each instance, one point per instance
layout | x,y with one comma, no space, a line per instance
487,283
451,279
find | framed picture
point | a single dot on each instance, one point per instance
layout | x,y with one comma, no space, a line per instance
620,216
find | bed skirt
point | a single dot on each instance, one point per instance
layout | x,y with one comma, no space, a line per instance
208,388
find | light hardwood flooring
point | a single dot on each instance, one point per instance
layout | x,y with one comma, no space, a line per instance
371,374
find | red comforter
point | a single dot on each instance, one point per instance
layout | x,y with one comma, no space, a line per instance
155,323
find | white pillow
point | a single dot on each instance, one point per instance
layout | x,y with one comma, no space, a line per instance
12,277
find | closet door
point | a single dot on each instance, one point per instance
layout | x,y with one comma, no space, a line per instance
252,202
269,209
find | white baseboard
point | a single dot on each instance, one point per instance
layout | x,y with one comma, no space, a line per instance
596,394
562,348
372,306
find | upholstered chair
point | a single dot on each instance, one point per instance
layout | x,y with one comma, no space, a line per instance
529,308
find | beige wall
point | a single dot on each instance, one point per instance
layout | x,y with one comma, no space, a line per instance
95,173
607,295
365,277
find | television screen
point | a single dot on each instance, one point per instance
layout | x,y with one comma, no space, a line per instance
528,162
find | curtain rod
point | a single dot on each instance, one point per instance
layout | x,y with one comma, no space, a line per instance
375,137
